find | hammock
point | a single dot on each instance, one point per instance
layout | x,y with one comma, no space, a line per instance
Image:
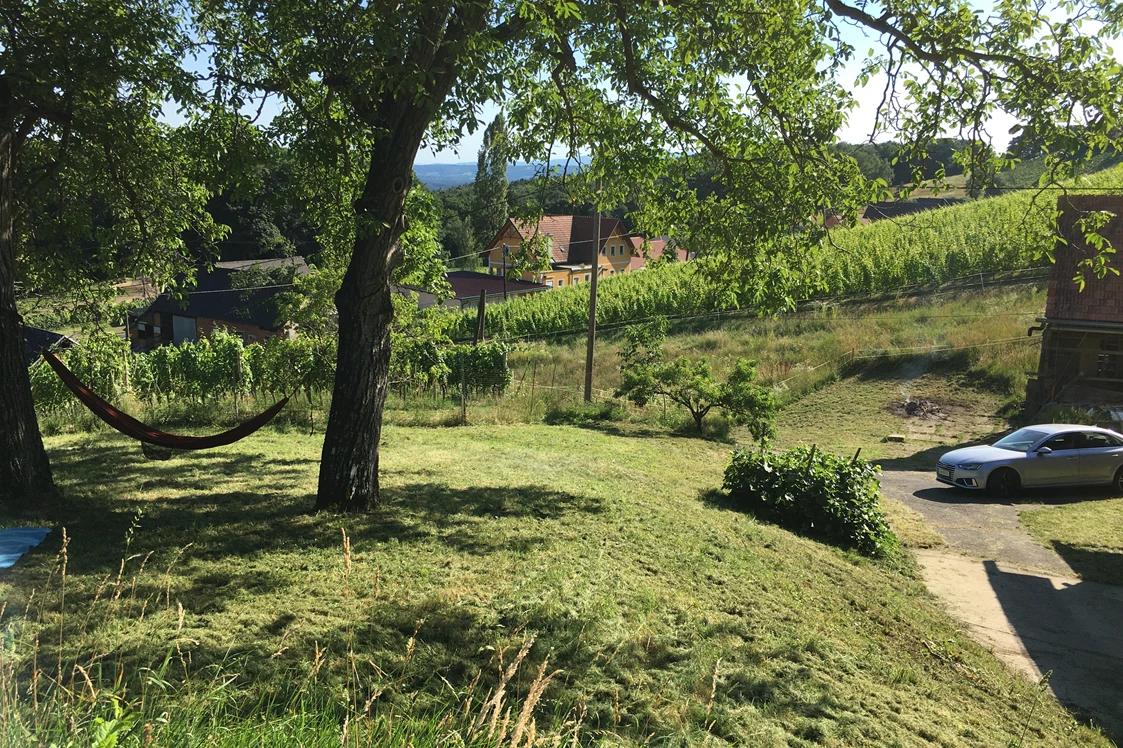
130,426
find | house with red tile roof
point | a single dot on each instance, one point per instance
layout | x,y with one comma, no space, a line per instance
569,241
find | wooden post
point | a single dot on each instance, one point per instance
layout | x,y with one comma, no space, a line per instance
464,384
592,337
480,317
311,413
237,383
856,456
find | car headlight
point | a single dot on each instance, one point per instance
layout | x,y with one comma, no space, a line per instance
969,465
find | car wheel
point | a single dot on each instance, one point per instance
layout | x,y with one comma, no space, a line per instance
1117,484
1003,483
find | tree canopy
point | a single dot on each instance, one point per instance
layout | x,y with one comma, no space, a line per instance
93,186
489,196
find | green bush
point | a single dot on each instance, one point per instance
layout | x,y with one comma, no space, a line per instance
585,413
831,498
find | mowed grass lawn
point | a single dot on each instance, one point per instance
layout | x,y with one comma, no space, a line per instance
859,412
1087,534
676,621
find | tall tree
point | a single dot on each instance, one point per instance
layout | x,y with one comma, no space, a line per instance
653,91
489,199
91,185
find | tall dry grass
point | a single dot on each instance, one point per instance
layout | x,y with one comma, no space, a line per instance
61,684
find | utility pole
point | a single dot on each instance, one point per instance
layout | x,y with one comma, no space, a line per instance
591,342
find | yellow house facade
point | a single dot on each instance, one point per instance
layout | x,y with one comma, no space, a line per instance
569,240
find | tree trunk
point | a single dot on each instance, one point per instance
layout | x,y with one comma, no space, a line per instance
349,464
25,472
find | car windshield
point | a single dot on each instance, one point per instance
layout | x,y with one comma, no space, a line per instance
1019,441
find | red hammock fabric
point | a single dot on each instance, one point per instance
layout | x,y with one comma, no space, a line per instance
130,426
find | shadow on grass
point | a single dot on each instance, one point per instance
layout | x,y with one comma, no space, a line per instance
249,505
926,459
252,540
1092,564
634,430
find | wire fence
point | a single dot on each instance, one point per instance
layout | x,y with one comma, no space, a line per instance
981,281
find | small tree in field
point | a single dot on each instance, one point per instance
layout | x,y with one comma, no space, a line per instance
692,384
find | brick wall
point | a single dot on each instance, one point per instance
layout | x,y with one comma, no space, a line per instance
1102,298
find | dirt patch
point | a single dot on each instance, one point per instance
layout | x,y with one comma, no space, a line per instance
928,410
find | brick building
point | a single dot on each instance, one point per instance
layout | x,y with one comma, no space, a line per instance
1082,330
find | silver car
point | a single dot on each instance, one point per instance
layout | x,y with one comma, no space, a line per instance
1051,454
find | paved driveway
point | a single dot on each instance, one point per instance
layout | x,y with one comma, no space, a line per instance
1020,598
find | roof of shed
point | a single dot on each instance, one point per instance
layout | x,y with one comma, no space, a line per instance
213,297
36,340
468,283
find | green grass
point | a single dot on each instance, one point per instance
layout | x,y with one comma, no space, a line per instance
1087,534
856,412
801,352
675,621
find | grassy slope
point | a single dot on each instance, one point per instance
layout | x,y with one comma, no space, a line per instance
1087,534
789,348
671,616
855,412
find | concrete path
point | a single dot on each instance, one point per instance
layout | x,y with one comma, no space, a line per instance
1020,598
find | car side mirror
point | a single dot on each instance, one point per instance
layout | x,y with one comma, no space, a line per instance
1044,451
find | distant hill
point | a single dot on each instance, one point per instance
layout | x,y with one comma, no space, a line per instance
443,176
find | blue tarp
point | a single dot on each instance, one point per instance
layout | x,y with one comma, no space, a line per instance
16,541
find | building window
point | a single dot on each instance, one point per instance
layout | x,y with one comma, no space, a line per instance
586,277
603,251
612,250
549,284
1107,362
560,283
612,272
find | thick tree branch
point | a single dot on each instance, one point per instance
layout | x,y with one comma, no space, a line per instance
637,87
939,58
